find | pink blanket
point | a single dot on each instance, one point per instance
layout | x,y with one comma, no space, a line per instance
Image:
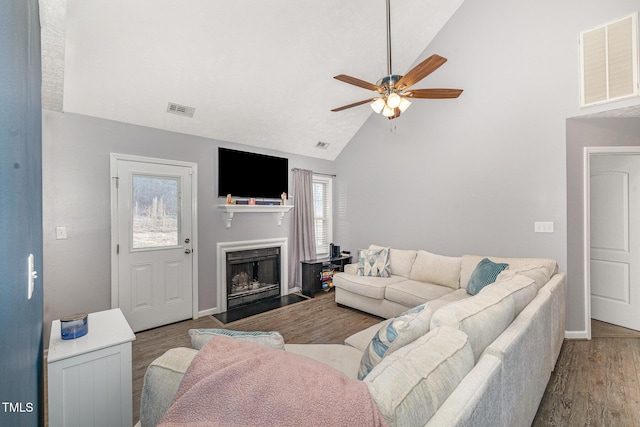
238,383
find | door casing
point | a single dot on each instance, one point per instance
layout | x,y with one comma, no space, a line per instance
114,158
588,152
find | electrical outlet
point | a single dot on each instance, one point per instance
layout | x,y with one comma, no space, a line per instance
543,227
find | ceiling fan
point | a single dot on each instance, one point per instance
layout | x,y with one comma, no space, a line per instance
393,90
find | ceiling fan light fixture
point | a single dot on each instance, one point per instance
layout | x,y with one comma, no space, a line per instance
378,105
388,111
393,100
392,95
404,104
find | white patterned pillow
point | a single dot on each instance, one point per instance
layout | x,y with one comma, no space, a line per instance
199,337
374,262
402,330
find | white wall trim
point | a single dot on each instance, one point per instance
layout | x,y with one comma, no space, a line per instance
223,247
114,158
577,335
588,152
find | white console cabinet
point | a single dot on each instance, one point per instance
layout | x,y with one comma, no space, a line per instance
89,378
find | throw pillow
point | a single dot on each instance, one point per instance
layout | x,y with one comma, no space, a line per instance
374,262
402,330
485,273
199,337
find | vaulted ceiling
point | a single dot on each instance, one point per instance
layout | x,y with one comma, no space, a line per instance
257,72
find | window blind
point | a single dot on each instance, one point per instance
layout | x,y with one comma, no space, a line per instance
323,213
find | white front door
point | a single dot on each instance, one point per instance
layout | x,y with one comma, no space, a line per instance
154,244
615,239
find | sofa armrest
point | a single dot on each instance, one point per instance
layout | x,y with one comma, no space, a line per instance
351,269
161,382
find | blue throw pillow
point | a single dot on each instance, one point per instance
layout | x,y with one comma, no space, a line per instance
485,274
402,330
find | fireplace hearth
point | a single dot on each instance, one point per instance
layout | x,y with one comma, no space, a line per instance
252,275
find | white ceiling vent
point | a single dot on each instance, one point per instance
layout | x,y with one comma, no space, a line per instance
609,61
180,110
322,145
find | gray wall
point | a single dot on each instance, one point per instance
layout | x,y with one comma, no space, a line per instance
581,133
76,194
21,367
472,175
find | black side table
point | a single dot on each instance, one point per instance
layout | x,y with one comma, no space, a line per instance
312,272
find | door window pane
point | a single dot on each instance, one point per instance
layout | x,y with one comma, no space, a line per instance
156,211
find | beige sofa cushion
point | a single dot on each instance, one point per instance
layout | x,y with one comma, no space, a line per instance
482,317
161,382
372,287
437,269
412,293
469,263
539,274
521,289
344,358
361,339
410,385
401,260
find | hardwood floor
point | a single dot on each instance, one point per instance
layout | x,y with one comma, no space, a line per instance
595,383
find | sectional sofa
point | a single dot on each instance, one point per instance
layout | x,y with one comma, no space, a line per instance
443,357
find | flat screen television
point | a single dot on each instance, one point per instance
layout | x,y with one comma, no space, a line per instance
244,174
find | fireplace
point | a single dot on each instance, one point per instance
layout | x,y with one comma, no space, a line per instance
251,271
252,275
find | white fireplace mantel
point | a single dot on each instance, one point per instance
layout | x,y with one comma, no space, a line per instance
230,210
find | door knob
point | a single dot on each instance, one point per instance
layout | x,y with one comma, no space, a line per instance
187,251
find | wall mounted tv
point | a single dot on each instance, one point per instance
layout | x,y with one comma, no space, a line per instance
244,174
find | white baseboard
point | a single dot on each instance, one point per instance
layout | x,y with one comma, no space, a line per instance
208,312
576,335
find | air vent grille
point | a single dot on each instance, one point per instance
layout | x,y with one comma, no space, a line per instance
322,145
180,110
609,61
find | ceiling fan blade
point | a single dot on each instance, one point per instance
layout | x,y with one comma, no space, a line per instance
421,71
357,82
433,93
355,104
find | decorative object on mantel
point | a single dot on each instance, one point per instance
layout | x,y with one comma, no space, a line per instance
229,200
283,196
392,88
230,210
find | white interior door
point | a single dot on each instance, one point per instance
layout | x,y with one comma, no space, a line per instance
154,243
615,239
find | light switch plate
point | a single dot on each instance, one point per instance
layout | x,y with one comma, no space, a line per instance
543,227
61,233
33,274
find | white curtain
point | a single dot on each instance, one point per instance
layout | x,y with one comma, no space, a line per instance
303,239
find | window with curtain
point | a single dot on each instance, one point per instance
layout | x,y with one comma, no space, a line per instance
323,213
